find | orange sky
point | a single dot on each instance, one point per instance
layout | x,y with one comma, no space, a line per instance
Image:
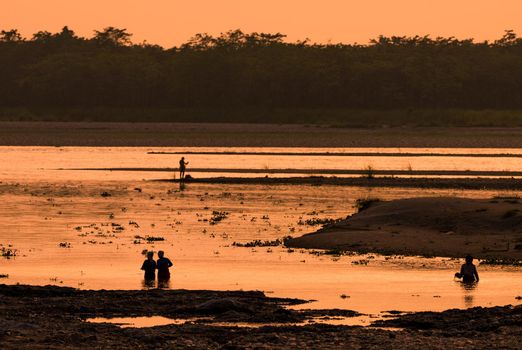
171,22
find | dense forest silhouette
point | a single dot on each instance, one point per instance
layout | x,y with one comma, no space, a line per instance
257,71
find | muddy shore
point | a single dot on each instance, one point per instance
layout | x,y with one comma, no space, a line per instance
54,318
250,135
436,226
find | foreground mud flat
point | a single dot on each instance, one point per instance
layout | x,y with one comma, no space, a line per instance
54,317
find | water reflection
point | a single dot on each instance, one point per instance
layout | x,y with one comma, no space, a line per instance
164,284
161,284
148,284
469,289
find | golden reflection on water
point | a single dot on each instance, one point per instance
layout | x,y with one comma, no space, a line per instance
42,208
43,163
469,289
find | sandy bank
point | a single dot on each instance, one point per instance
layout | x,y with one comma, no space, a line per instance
453,227
411,182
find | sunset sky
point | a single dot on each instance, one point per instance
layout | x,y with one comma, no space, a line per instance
171,22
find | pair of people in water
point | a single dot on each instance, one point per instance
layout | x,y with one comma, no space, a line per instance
468,271
162,265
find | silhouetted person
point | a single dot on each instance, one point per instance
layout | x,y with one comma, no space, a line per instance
163,265
182,167
149,266
468,271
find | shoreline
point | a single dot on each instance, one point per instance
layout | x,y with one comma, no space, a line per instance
55,318
154,134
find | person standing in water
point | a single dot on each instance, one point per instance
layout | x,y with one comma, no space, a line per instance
468,271
149,266
163,266
182,167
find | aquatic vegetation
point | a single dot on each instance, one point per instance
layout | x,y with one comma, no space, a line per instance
369,172
318,221
218,216
105,194
64,245
361,262
8,252
260,243
154,239
117,227
501,262
148,239
364,203
134,223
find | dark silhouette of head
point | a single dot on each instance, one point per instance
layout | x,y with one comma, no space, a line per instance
469,259
150,254
161,253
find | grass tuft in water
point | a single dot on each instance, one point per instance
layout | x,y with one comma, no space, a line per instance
364,203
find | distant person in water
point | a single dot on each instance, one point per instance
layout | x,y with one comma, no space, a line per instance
149,266
182,167
468,271
163,265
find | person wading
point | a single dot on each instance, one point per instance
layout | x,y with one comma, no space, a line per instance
468,271
149,266
163,265
182,167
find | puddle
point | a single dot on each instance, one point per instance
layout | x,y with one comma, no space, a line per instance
154,321
142,322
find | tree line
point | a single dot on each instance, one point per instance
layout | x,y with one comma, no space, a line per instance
237,70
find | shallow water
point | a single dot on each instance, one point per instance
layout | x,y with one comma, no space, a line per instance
42,208
55,163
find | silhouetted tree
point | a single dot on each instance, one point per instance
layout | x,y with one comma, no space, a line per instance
113,36
237,70
10,36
